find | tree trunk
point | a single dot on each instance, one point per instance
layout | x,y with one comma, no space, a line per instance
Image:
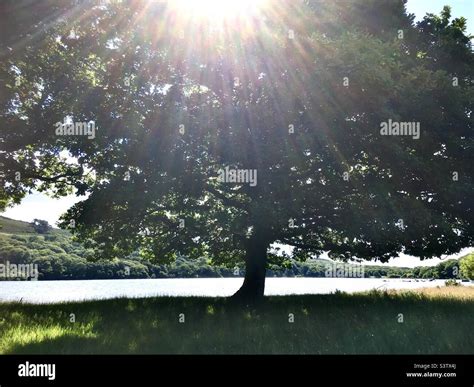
255,269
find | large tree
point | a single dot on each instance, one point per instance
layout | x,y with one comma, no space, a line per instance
296,91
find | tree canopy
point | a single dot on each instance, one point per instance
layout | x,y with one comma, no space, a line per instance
41,226
334,126
467,266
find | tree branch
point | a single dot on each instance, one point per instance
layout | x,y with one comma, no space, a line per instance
227,200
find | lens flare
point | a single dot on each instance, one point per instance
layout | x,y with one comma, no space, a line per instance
217,10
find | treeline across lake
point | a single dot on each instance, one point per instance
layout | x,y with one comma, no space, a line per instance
58,257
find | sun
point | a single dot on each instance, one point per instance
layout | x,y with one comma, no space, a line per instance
219,10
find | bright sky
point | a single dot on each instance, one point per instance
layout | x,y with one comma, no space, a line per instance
42,207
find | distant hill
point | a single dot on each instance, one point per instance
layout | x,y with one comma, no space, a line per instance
58,257
12,226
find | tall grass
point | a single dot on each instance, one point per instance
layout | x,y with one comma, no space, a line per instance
422,322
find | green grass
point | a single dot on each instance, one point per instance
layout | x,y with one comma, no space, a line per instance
323,324
11,226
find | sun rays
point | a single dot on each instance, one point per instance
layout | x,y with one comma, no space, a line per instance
219,10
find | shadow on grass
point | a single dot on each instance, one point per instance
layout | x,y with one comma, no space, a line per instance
320,324
61,345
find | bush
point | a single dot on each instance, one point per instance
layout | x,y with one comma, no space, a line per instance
467,266
19,238
451,282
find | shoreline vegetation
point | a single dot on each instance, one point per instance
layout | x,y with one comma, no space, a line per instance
58,257
431,320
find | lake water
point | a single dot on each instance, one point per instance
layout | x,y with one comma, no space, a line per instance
60,291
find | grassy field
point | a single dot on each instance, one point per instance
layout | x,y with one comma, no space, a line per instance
427,321
11,226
